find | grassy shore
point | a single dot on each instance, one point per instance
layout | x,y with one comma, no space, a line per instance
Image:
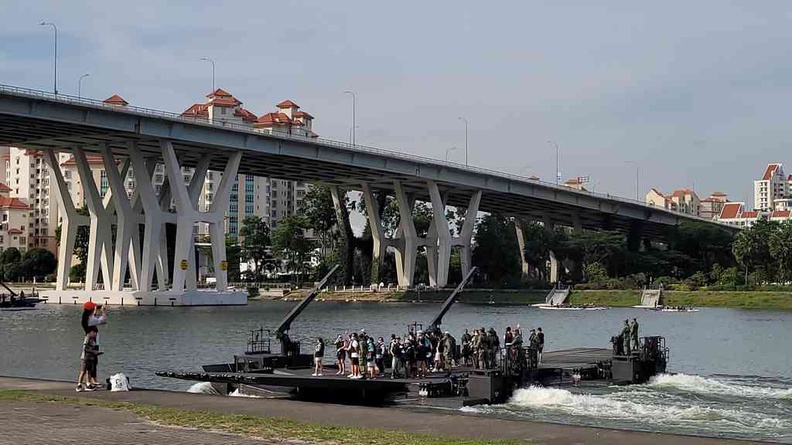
472,296
271,429
732,299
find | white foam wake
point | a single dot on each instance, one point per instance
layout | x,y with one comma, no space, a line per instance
714,386
634,405
236,393
203,388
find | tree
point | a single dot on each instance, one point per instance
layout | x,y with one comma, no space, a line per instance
233,256
318,209
496,252
38,263
10,256
780,247
290,244
255,234
752,250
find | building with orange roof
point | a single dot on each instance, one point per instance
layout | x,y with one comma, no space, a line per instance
681,200
15,216
773,185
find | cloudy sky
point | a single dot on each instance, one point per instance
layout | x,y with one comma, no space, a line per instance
694,93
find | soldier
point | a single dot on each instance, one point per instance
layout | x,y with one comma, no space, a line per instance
634,333
482,350
494,346
625,334
449,349
466,344
533,350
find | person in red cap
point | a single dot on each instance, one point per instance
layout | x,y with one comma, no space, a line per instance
93,315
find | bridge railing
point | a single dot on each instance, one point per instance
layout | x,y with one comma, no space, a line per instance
326,142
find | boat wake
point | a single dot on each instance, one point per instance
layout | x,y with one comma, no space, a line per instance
203,388
738,407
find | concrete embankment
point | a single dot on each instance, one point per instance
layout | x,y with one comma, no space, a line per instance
471,296
301,422
701,298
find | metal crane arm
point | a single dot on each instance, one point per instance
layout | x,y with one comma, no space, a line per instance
285,325
438,320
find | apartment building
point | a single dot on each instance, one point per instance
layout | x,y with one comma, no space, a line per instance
681,200
774,185
269,198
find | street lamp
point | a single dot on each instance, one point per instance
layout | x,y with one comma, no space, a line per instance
558,165
55,80
206,59
79,85
466,139
354,111
637,180
449,150
350,133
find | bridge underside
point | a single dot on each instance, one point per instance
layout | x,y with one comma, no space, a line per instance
294,161
143,138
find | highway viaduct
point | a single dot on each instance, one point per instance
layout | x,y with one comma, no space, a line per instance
141,138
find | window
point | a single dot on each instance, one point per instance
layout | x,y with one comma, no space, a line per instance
249,209
222,111
104,183
274,214
249,197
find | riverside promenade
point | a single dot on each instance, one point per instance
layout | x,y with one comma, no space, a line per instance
62,422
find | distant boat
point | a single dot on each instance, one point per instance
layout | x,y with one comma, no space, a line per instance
10,302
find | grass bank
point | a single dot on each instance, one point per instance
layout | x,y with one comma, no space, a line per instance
273,429
702,298
471,296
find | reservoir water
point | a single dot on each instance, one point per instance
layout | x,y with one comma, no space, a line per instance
733,368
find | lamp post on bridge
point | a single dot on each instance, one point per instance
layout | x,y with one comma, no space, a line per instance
351,129
354,112
558,161
206,59
55,76
466,139
637,179
79,85
449,150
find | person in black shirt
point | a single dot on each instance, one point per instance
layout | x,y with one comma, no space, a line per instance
318,355
540,336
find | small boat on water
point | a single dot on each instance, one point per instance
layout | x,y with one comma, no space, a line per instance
12,301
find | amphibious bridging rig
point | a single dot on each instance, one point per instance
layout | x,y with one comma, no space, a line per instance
513,367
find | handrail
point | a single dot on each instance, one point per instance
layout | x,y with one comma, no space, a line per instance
131,109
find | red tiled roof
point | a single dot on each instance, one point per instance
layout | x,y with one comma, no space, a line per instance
770,171
245,115
115,99
287,104
750,214
13,203
219,93
718,194
15,232
305,115
229,101
92,159
780,214
730,210
197,110
4,188
270,119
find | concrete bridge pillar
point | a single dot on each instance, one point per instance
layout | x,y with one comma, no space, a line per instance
100,233
555,264
525,267
445,240
407,251
185,197
71,221
127,245
377,233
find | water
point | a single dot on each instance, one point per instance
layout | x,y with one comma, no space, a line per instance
735,365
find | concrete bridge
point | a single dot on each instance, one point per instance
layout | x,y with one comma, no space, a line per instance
141,138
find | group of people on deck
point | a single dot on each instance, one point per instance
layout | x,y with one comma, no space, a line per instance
417,353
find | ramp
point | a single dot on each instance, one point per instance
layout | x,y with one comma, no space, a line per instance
558,296
652,297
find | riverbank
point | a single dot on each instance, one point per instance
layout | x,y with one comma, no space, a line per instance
472,296
46,404
727,299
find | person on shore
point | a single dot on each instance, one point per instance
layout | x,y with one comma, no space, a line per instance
93,315
319,350
625,335
354,357
634,333
540,336
341,346
89,354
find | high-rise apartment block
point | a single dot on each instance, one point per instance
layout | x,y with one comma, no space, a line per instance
774,186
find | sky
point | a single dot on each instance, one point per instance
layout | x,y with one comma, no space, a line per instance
692,94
